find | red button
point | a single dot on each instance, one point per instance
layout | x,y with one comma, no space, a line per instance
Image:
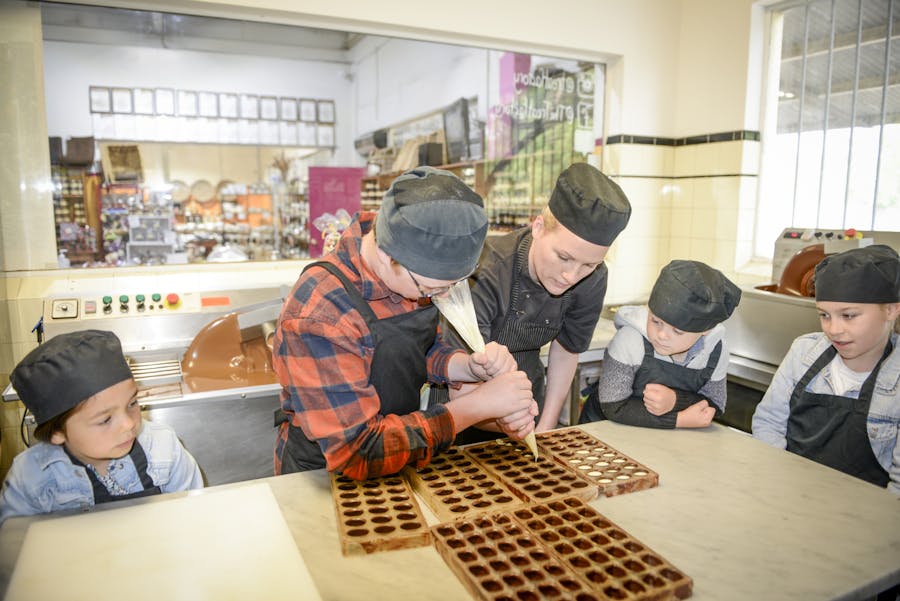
172,299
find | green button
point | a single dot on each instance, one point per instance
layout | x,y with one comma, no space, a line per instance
107,300
156,297
139,298
123,299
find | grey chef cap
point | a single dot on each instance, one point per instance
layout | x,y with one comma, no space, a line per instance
589,204
432,223
692,296
862,275
68,369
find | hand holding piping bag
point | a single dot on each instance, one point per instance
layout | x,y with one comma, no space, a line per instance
457,307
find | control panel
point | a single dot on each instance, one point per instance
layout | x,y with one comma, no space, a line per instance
792,240
111,305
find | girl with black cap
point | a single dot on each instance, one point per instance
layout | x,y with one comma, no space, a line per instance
94,447
666,366
545,284
834,399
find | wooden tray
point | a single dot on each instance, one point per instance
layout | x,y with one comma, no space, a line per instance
531,480
562,549
454,486
379,514
613,472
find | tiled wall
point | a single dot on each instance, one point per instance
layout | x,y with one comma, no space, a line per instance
692,198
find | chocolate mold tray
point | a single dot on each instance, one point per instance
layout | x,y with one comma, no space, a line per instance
531,480
454,486
613,472
379,514
557,550
497,559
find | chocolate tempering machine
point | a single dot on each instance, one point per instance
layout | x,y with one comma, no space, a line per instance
202,362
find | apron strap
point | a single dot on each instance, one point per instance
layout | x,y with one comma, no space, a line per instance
521,258
361,305
711,363
101,493
827,356
868,387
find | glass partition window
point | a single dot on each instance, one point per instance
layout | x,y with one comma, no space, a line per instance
158,167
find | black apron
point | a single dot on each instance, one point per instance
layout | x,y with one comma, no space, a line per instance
102,495
398,368
657,371
525,338
676,377
831,429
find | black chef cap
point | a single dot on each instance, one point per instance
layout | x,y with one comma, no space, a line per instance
432,223
68,369
692,296
862,275
589,204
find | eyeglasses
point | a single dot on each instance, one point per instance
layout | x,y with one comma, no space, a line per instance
435,291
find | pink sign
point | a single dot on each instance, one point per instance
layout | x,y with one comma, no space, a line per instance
331,189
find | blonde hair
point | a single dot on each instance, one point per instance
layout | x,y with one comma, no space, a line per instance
896,329
550,220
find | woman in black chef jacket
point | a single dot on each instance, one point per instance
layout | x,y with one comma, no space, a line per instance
545,283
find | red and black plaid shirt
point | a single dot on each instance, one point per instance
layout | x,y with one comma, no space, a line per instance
323,353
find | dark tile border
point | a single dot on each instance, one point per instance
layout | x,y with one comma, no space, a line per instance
727,136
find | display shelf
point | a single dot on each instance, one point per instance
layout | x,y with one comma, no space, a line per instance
76,219
515,190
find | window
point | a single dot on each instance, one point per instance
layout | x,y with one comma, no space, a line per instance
831,139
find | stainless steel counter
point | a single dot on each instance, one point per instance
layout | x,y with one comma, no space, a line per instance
742,519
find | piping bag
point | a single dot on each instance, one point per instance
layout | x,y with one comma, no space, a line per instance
457,307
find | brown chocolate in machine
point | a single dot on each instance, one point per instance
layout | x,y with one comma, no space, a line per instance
234,350
797,278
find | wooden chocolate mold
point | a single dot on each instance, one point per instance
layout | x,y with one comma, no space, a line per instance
613,472
605,555
379,514
455,486
533,481
497,559
557,550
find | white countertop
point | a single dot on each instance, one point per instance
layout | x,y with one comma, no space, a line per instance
742,519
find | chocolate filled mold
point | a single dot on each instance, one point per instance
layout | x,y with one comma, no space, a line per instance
531,480
378,514
540,552
455,486
497,559
621,566
613,472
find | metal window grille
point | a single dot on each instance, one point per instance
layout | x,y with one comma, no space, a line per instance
831,135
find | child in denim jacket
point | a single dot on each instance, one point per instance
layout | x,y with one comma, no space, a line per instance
94,447
834,399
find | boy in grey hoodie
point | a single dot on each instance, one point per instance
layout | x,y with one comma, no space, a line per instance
666,366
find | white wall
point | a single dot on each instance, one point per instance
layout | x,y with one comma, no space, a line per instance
717,83
665,56
396,80
70,68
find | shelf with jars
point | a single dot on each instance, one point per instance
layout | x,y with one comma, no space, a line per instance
137,225
75,213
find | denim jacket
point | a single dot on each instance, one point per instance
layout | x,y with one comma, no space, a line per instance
771,416
43,479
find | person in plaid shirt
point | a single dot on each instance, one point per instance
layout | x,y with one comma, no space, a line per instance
357,338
